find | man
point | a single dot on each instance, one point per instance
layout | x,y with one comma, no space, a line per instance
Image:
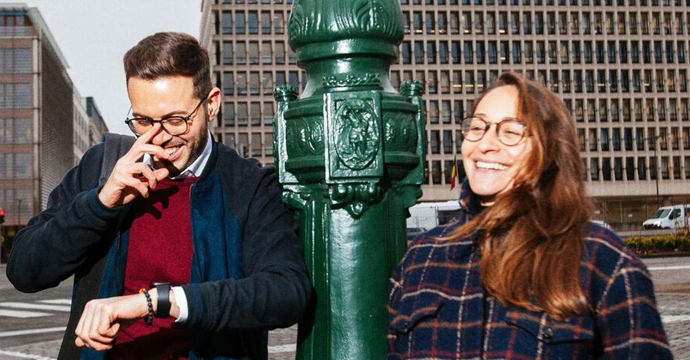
178,208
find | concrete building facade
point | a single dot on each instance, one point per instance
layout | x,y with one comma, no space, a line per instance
620,66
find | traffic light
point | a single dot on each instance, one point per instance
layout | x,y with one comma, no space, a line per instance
2,216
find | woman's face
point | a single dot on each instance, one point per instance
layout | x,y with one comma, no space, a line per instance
490,165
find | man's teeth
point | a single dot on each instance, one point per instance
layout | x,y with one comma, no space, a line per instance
170,151
493,166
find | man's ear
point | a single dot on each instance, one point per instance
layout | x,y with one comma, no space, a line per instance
213,103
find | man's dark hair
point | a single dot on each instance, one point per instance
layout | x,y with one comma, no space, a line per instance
170,54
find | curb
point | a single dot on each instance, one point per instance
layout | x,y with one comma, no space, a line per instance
665,255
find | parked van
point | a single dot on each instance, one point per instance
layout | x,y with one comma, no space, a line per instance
669,217
426,216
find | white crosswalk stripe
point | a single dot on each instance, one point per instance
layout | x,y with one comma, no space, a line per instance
18,305
57,301
22,314
16,354
31,331
282,348
36,309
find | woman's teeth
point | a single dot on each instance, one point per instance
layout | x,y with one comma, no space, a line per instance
492,166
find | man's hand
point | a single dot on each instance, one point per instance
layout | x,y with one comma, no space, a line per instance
103,319
130,178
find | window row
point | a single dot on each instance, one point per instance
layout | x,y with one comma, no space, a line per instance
614,81
560,81
15,131
15,95
549,2
250,144
530,22
441,172
638,168
603,110
442,142
258,83
242,114
15,60
15,166
16,202
250,22
16,23
539,52
253,53
630,139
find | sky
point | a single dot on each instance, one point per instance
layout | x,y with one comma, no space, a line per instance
94,35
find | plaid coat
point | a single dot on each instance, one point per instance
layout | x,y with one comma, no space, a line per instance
439,309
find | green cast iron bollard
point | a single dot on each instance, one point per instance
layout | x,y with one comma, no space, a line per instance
349,153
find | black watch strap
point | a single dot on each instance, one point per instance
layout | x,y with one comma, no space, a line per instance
163,304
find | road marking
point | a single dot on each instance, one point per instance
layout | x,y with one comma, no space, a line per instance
21,314
668,319
282,348
17,305
32,331
659,268
57,302
24,356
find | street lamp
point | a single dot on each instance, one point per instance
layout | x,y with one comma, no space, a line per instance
656,164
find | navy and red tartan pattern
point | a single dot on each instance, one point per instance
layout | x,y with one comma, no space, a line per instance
439,310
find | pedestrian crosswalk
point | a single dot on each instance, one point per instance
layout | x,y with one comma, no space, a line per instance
34,309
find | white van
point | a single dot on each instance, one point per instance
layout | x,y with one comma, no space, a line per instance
669,217
425,216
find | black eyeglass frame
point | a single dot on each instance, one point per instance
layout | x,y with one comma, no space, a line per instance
469,119
186,119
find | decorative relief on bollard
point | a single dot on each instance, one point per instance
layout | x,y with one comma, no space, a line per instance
349,153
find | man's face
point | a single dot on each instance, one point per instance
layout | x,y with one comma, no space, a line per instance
171,96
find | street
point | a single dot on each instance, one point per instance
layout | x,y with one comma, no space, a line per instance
31,325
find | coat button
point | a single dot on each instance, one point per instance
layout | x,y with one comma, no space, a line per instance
405,325
548,333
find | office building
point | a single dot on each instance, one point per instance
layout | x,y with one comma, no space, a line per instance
44,126
620,66
97,126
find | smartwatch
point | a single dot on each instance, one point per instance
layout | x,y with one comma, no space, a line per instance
163,304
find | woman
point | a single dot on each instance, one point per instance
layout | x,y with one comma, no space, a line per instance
522,274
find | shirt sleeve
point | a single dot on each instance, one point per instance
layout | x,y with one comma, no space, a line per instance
181,300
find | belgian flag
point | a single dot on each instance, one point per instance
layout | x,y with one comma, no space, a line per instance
454,173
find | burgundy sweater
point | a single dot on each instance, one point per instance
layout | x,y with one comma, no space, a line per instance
160,250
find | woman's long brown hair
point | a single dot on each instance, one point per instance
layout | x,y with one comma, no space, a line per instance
532,237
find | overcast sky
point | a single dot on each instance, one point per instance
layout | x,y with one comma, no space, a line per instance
95,34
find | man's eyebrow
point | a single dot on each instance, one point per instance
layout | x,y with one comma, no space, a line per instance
172,113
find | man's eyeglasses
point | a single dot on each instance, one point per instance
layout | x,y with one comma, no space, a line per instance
173,125
509,131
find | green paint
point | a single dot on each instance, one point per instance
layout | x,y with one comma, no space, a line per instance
349,153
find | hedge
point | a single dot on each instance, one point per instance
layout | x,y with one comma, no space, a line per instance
646,245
